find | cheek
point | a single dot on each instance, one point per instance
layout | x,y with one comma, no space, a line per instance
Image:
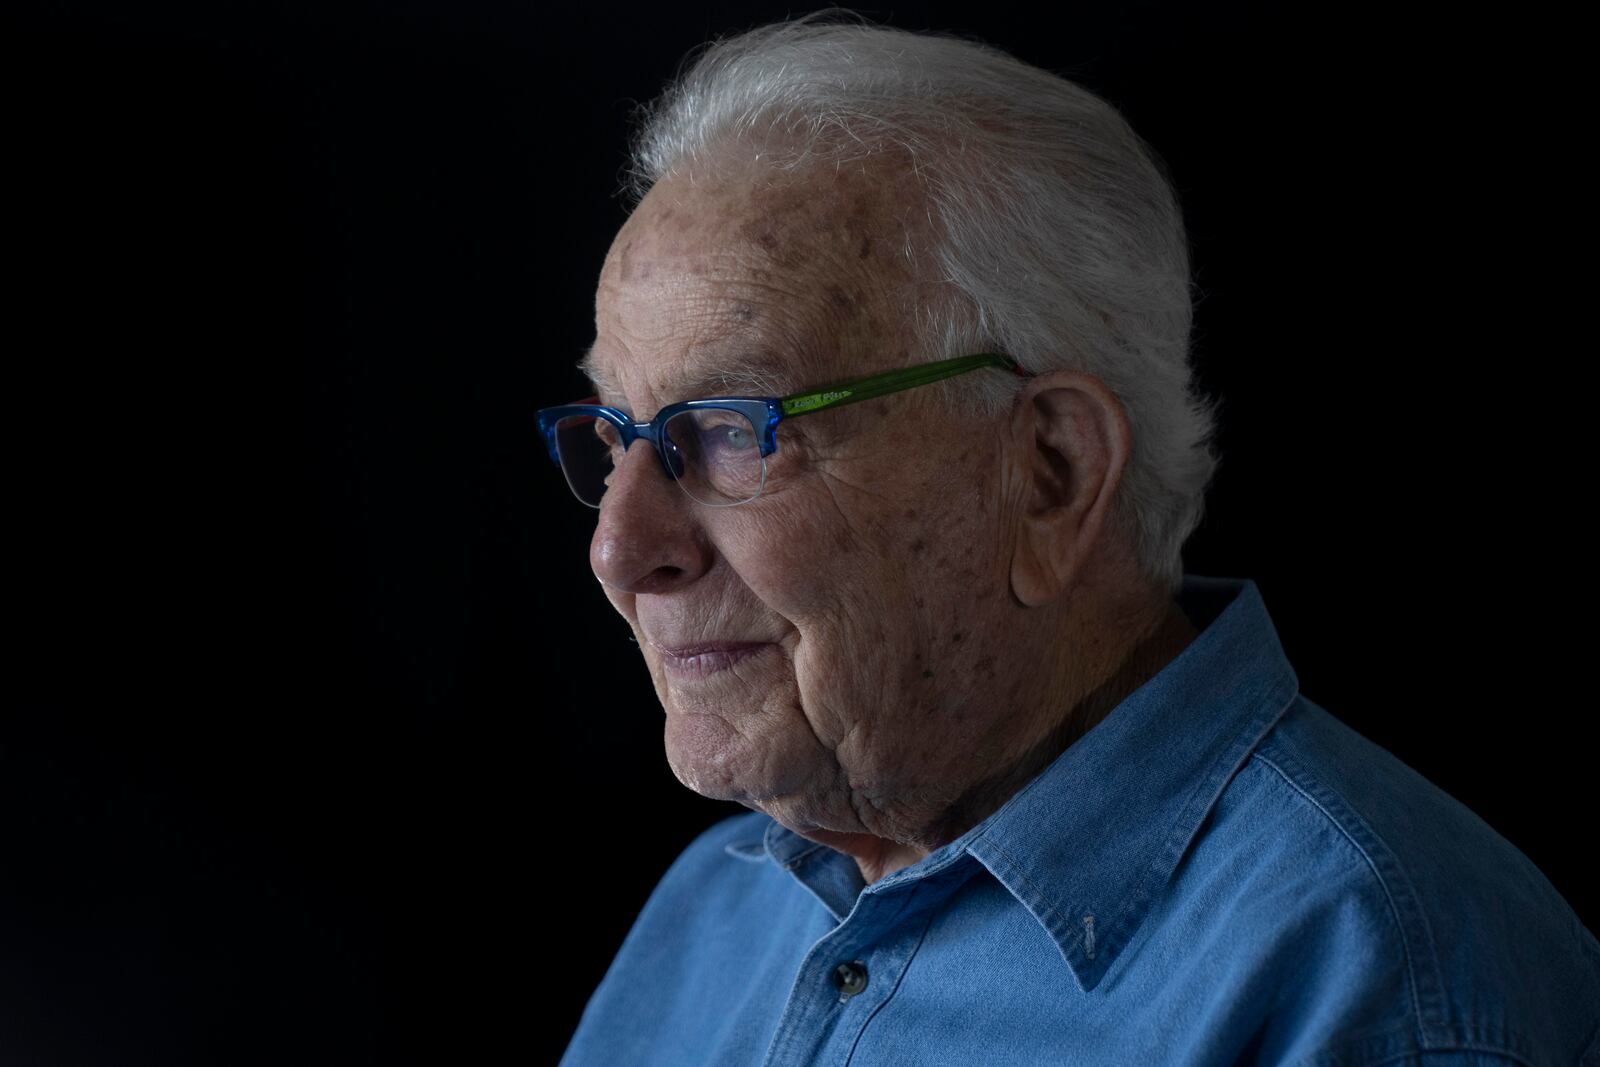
956,570
951,554
804,559
842,586
960,540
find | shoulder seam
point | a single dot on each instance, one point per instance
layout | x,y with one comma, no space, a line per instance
1388,894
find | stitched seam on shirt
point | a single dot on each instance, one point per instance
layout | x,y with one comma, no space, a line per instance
1115,934
752,852
861,1030
1405,942
1460,1039
1016,871
800,857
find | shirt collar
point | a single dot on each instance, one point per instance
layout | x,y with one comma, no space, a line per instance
1088,845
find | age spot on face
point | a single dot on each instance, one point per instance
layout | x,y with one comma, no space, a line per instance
840,300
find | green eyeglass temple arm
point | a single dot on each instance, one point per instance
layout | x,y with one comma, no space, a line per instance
893,382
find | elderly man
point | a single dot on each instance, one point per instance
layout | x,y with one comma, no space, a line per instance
900,329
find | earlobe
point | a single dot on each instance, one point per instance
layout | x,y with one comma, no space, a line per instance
1034,582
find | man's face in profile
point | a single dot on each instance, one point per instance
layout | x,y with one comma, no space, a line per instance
874,566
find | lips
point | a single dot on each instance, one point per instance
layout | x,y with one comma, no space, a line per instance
688,651
710,657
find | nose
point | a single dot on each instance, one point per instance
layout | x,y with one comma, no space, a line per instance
648,538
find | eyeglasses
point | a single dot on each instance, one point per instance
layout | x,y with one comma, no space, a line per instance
716,449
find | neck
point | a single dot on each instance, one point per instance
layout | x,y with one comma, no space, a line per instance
1156,646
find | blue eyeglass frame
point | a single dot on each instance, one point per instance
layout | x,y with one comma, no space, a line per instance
765,412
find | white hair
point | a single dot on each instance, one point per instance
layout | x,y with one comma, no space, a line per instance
1057,232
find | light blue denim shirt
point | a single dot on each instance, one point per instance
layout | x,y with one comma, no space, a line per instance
1219,872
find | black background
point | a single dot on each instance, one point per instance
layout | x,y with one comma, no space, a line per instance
326,747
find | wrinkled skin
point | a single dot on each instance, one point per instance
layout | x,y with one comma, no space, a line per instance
949,606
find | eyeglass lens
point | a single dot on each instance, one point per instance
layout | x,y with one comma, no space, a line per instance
713,453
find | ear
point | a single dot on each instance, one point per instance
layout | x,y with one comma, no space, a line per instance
1072,437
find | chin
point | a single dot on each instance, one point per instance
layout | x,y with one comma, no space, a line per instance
702,751
712,759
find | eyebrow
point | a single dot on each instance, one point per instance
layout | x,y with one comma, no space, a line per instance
753,375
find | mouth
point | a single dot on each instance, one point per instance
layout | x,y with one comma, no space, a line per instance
701,661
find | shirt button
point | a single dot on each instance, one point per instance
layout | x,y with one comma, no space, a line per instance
850,978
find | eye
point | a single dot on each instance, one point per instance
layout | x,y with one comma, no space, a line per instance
732,435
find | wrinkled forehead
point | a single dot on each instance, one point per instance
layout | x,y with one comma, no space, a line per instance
861,211
748,281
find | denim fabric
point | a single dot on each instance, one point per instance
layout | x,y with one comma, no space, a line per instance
1219,872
